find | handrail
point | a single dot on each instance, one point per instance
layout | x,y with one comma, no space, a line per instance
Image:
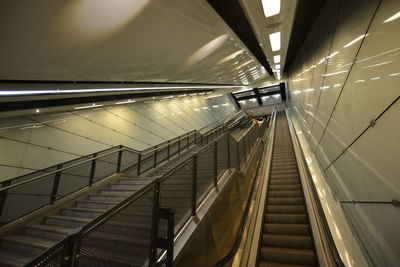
72,242
324,235
239,237
122,148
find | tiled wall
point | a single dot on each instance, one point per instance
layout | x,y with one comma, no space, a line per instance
36,141
346,75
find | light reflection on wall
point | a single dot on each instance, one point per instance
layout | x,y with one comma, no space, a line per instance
206,50
92,20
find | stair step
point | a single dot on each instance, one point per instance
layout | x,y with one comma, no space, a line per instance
135,181
287,241
285,176
286,209
286,218
286,229
275,264
26,244
126,186
82,212
285,201
12,258
95,204
66,221
44,231
280,181
107,198
116,192
286,171
286,187
288,255
285,193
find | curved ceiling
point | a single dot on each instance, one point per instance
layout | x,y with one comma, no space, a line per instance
137,41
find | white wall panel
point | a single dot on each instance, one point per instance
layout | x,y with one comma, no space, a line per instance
361,160
42,140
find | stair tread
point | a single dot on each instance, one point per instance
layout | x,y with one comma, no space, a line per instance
50,228
276,264
69,218
288,250
14,258
84,209
29,240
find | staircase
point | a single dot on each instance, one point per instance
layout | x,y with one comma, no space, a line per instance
38,236
32,240
286,235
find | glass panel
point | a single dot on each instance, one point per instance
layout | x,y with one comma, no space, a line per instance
106,166
234,152
205,172
26,198
176,193
147,162
222,154
74,179
174,148
162,155
129,162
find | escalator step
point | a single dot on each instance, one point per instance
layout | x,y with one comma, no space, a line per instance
286,229
287,241
285,193
286,218
288,255
275,264
286,209
285,201
278,181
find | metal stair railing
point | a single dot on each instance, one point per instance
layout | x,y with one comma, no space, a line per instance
30,192
110,239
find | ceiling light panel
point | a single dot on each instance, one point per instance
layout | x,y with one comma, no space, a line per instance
275,39
277,59
271,7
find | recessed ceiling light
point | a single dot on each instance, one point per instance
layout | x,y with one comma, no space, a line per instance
277,58
271,7
275,39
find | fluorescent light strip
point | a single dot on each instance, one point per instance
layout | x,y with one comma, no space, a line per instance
394,17
355,40
125,102
213,96
74,91
277,58
278,66
271,7
91,106
275,39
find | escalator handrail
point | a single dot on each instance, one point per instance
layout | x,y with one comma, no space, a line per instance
334,254
231,253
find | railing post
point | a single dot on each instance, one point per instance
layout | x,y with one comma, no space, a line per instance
155,157
179,145
187,143
55,184
169,149
71,250
194,185
244,147
119,159
170,239
229,151
3,195
139,164
215,164
92,170
238,156
154,223
195,138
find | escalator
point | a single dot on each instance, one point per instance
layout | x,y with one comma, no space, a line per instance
286,238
